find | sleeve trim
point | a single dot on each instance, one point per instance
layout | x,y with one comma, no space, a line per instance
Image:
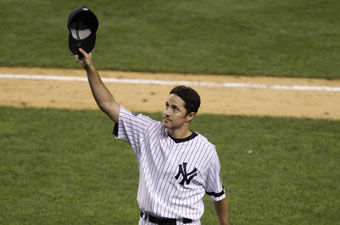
115,130
216,195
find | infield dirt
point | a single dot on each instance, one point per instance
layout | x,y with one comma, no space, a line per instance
151,97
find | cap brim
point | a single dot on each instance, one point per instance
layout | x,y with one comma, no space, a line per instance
86,44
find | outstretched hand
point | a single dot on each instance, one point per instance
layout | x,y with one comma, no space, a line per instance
85,61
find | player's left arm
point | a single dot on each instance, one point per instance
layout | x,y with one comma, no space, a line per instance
222,211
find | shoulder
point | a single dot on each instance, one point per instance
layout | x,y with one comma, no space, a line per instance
205,142
125,114
132,123
208,149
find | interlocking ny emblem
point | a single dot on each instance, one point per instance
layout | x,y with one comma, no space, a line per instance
187,177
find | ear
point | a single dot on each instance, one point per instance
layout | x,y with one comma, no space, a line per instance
190,117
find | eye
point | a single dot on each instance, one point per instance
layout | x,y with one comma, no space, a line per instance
175,108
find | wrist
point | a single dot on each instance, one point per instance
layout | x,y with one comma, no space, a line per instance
89,67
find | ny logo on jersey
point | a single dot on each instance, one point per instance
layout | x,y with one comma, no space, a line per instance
186,177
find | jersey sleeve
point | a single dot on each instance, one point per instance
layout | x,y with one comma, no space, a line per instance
131,128
214,188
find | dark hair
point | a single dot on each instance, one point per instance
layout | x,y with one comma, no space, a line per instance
190,97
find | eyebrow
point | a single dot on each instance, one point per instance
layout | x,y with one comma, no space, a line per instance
172,105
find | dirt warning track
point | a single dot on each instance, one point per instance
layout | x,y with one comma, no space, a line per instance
231,95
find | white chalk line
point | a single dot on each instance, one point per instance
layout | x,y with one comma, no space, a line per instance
167,82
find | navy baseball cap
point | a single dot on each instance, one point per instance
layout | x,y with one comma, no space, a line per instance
82,24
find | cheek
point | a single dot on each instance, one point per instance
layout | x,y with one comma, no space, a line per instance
179,118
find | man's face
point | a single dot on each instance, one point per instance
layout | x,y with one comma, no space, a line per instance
174,115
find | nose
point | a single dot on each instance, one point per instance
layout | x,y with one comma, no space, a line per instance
166,112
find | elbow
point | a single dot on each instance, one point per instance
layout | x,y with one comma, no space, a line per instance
111,109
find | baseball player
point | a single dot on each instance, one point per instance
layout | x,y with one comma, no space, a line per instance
177,166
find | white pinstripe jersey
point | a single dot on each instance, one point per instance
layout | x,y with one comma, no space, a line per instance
174,174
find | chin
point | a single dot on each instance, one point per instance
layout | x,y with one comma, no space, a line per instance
166,124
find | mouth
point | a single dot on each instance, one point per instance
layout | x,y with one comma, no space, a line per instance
166,120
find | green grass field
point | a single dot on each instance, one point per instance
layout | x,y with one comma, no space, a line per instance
277,38
65,167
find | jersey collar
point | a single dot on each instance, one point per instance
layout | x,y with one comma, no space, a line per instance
180,140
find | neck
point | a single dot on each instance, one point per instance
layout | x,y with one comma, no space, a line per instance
178,134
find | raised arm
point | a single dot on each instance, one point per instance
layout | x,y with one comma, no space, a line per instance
101,94
221,208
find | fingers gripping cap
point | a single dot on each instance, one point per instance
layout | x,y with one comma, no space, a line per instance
82,24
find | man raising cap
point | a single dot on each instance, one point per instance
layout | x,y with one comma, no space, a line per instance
177,166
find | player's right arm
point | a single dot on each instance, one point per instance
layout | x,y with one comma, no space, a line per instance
101,94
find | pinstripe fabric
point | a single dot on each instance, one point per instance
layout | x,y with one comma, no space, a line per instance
174,175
